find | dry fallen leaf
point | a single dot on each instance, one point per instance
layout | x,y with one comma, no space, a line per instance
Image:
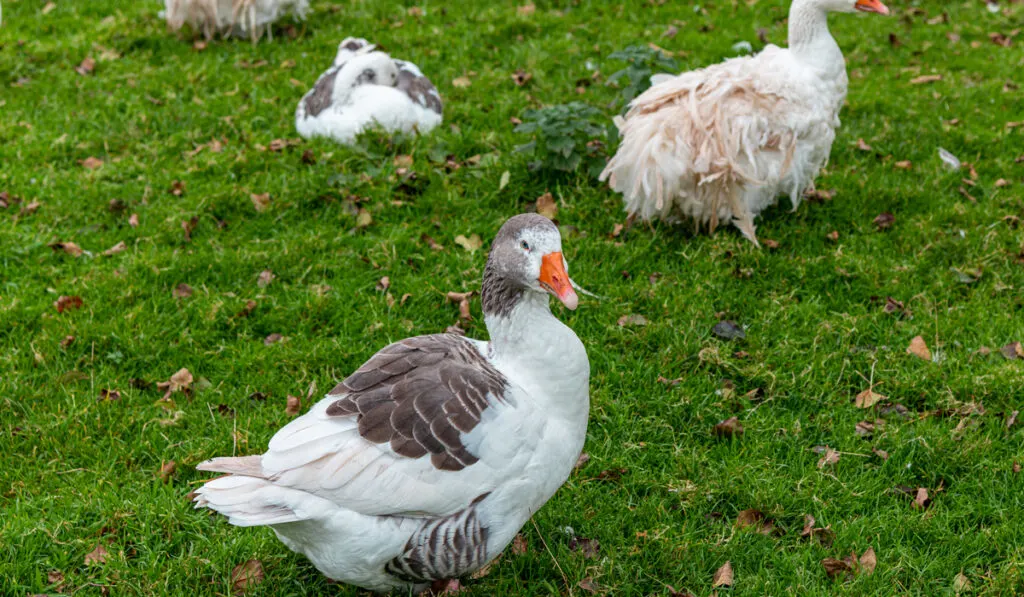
67,303
521,77
547,207
527,9
831,457
868,561
836,568
108,395
67,247
589,585
265,278
177,188
884,220
98,555
119,247
260,201
581,460
925,79
461,82
470,244
86,67
519,546
272,339
91,163
133,220
730,427
630,320
363,218
904,164
293,405
167,470
1013,351
587,547
182,290
245,576
868,398
880,453
921,499
863,146
723,576
833,236
961,584
919,349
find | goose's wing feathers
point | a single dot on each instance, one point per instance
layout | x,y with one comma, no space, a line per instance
423,428
417,86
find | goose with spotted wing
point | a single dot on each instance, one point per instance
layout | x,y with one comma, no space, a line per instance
366,88
241,18
720,144
424,464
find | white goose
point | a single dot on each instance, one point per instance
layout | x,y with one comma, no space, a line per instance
722,143
366,88
232,17
424,464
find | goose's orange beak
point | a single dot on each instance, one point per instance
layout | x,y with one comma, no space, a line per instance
555,280
872,6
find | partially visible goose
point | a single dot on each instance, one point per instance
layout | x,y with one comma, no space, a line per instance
241,18
424,464
720,144
361,91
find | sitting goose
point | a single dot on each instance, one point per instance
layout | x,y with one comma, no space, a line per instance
722,143
232,17
358,93
424,464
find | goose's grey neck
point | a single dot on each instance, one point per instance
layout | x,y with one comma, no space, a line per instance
498,294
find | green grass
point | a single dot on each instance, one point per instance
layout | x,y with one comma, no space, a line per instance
76,471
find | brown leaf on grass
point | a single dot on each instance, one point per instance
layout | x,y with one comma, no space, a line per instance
757,519
587,547
868,561
383,284
272,339
1002,182
188,226
250,306
880,453
769,243
921,499
86,67
819,195
961,584
133,220
177,188
894,306
589,585
527,9
924,79
91,163
632,320
260,201
519,545
1012,419
1016,467
430,242
611,475
1013,351
308,157
97,556
833,236
863,146
581,460
167,470
837,568
182,291
293,405
246,576
265,278
107,395
829,458
866,429
521,77
730,427
461,82
67,341
617,230
55,577
547,207
472,243
67,303
919,349
68,247
904,164
48,7
363,218
884,220
868,398
119,247
723,576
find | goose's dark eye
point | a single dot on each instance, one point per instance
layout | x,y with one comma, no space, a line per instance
524,245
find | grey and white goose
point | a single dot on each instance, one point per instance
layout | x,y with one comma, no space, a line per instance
366,88
424,464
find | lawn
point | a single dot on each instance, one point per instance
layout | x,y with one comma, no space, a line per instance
161,145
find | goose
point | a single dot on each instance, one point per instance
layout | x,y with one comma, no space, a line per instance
721,143
359,92
232,17
422,465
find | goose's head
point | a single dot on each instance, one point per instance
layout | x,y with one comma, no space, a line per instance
526,257
351,47
853,6
375,68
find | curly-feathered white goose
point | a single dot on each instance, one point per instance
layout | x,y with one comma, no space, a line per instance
242,18
722,143
424,464
363,89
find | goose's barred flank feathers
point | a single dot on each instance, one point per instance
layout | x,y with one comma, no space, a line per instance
443,548
420,395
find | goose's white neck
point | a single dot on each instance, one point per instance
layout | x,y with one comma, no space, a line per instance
539,352
344,83
810,40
